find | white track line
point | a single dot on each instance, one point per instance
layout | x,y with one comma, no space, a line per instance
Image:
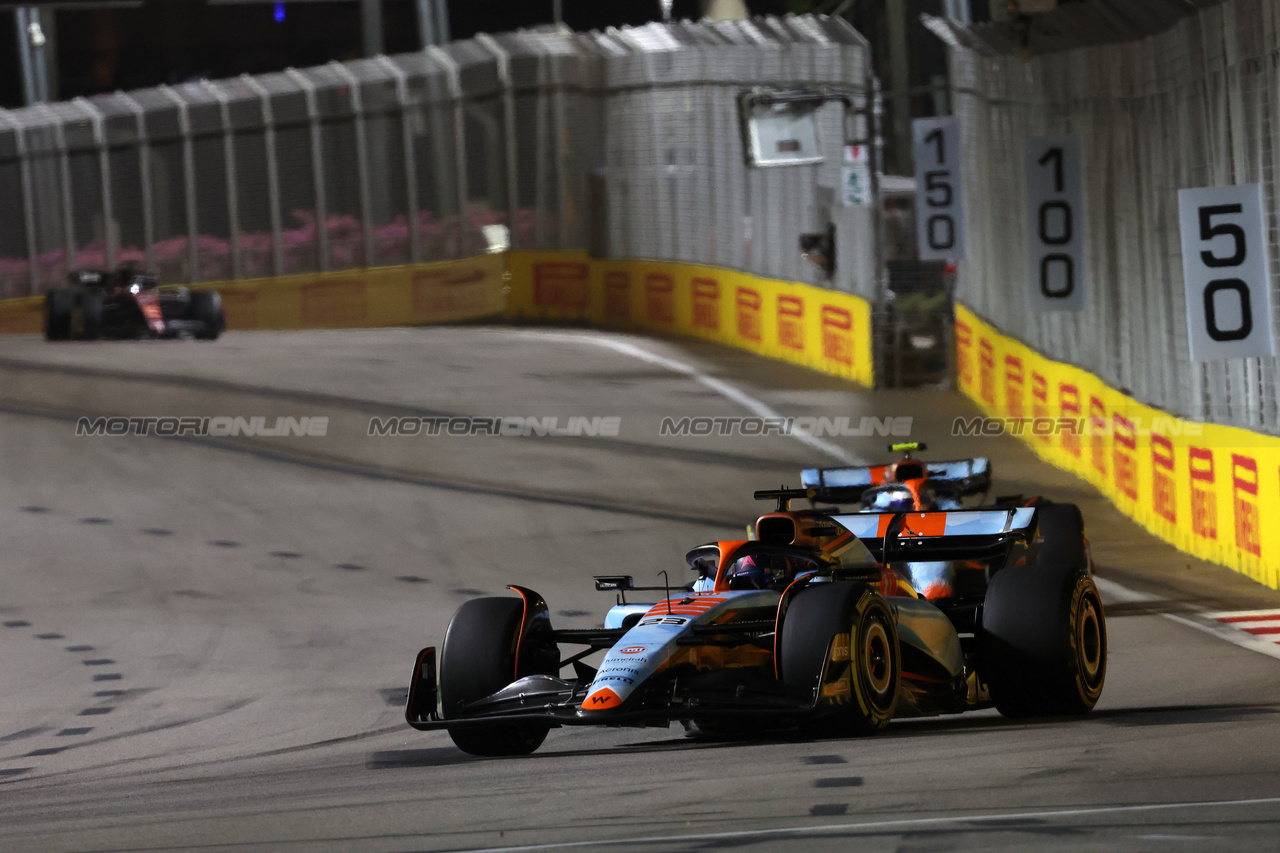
905,823
724,389
1221,630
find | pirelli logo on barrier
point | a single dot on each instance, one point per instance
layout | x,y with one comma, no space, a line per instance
562,286
1014,384
1124,455
1069,407
1040,400
964,348
747,305
987,371
660,298
1164,488
1210,489
335,304
617,296
449,292
837,334
1244,489
1098,434
1204,493
706,304
791,322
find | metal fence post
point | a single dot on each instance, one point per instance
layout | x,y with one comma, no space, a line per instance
560,132
543,159
144,175
28,202
229,166
273,171
410,163
317,166
189,181
362,159
104,178
454,79
64,178
508,129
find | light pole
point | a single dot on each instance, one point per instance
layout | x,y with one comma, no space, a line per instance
31,54
433,22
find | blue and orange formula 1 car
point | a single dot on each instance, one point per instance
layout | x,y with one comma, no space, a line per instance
806,625
913,484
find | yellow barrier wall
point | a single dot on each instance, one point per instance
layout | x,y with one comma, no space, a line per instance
1213,491
821,329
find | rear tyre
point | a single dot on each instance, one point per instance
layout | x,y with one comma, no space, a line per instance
1044,641
86,316
58,305
478,658
862,682
1062,528
206,307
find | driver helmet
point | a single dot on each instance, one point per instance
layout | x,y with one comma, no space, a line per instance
762,571
899,499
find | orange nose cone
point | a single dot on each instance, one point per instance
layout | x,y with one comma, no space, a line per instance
601,700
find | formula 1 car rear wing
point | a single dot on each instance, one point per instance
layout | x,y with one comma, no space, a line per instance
846,485
965,534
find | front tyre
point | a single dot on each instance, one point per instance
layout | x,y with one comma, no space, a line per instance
478,658
1044,641
848,630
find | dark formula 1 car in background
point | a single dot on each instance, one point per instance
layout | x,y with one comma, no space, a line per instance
805,625
128,304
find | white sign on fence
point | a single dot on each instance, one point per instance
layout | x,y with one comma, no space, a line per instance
939,204
1227,272
855,176
1055,220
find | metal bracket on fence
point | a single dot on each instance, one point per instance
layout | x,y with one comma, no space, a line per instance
317,165
454,78
362,159
28,202
64,176
144,176
410,162
229,165
188,180
273,171
97,120
503,60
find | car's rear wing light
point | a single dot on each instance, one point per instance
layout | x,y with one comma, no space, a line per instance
967,534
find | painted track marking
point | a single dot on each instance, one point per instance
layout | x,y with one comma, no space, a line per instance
1207,622
904,823
730,392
